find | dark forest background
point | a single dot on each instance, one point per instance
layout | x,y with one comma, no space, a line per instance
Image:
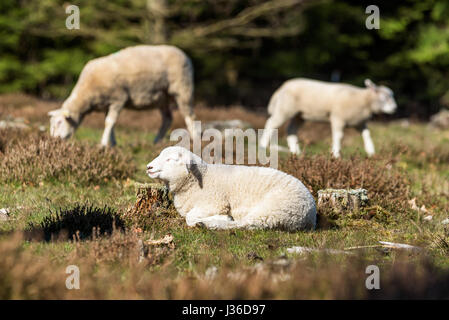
242,50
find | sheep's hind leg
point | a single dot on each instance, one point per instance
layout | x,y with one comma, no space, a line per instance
167,119
185,106
292,135
108,138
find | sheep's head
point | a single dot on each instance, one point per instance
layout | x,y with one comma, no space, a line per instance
384,99
62,125
172,164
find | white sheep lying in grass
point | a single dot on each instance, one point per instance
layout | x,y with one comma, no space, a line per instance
227,196
341,104
140,77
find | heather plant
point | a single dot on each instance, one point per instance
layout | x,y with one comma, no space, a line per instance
35,157
387,185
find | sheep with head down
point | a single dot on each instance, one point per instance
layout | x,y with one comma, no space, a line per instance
140,77
233,196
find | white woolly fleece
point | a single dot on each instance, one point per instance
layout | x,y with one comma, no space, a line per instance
233,196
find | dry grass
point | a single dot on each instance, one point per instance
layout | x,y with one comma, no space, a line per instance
34,157
110,269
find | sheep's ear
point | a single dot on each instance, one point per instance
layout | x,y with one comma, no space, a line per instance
59,112
54,113
66,114
69,118
370,84
192,168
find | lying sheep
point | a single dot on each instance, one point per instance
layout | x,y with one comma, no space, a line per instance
140,77
224,196
341,104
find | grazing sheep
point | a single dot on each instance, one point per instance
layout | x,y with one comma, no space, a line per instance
140,77
227,196
341,104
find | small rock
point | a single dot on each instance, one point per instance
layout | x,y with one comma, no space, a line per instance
211,273
222,125
4,214
282,262
343,199
445,221
428,218
440,119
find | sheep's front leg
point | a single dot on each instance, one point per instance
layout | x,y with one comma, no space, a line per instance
195,215
219,222
337,127
198,216
292,136
274,122
108,138
367,141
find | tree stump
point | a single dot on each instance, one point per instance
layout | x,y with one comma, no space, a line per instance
151,197
342,200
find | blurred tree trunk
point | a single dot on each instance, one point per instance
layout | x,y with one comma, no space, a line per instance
157,12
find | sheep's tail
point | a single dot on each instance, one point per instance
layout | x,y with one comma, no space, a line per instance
273,103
